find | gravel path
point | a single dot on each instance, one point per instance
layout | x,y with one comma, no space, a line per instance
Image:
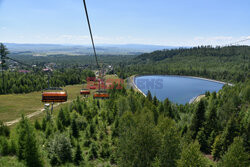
32,114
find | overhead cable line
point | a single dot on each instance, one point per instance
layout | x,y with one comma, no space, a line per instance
20,62
244,40
90,31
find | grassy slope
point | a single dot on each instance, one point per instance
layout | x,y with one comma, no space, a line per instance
13,106
56,110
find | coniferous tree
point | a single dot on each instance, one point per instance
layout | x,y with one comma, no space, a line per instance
236,155
201,137
149,96
207,134
156,162
231,131
198,118
123,105
27,145
132,103
98,104
49,129
44,124
21,131
61,117
59,149
138,140
13,147
60,126
37,125
67,118
93,151
161,108
3,53
170,149
155,101
156,114
74,128
217,147
4,130
104,150
192,157
79,109
32,155
168,111
4,146
78,155
211,122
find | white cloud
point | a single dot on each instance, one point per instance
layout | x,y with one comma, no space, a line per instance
85,39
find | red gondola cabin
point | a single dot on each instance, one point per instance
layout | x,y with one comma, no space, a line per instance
56,97
84,92
92,87
101,95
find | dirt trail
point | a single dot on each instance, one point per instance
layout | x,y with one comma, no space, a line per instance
32,114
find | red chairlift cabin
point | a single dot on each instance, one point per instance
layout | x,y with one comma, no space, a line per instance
85,92
92,87
55,95
101,94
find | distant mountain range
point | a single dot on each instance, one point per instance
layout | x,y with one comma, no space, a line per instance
105,49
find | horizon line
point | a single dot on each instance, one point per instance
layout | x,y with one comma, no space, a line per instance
68,44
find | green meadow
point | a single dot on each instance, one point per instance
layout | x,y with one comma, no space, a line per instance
12,106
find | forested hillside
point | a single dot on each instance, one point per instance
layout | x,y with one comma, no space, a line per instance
69,60
230,63
17,82
132,130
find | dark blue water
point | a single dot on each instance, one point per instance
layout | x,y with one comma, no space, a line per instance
178,89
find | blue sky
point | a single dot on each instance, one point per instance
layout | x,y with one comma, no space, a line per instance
159,22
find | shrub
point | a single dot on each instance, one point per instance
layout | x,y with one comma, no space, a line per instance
59,149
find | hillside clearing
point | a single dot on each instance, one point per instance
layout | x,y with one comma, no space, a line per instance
14,105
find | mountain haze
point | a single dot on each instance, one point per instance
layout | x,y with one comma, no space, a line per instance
127,49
